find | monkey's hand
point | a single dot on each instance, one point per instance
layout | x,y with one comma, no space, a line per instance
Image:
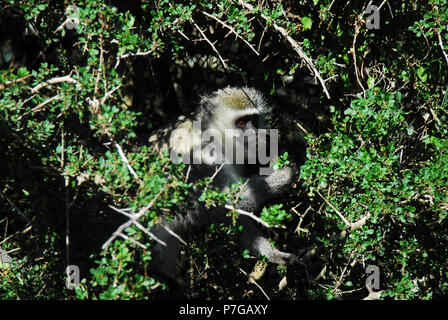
263,188
252,239
281,179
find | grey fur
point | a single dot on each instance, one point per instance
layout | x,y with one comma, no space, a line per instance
216,115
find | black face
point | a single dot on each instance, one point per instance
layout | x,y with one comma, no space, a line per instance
247,122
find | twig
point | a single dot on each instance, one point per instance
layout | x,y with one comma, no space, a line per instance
252,280
243,187
295,46
133,241
441,46
300,127
145,209
130,54
352,227
232,30
211,178
40,106
248,214
122,227
149,233
381,5
174,234
109,94
188,173
43,84
335,210
4,84
216,172
125,160
133,219
209,42
357,30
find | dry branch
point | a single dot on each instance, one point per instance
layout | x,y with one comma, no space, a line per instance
133,219
295,46
349,224
126,161
43,84
6,83
248,214
119,232
43,104
130,54
232,30
209,42
441,46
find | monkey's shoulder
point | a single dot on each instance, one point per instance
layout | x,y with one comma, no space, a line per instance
177,135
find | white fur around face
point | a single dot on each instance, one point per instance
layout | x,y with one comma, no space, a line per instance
202,139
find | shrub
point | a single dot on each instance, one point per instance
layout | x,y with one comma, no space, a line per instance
83,85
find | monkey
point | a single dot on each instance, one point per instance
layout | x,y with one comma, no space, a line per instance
228,117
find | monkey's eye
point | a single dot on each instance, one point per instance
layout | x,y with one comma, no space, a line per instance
241,123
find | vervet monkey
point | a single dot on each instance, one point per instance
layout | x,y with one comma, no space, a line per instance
226,116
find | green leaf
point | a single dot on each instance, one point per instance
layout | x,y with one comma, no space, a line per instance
422,74
307,23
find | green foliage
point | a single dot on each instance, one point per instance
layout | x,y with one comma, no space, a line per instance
86,81
275,215
363,170
281,161
26,279
116,276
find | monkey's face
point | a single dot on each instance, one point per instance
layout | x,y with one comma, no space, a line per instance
234,116
241,136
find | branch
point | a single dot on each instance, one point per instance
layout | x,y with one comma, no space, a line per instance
441,46
251,280
133,217
210,43
43,84
248,214
4,84
130,54
352,227
295,46
231,29
132,220
216,172
43,104
349,224
125,160
174,234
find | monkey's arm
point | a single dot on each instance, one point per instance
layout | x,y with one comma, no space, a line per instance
174,233
260,189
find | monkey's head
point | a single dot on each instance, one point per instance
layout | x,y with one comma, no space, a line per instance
236,113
